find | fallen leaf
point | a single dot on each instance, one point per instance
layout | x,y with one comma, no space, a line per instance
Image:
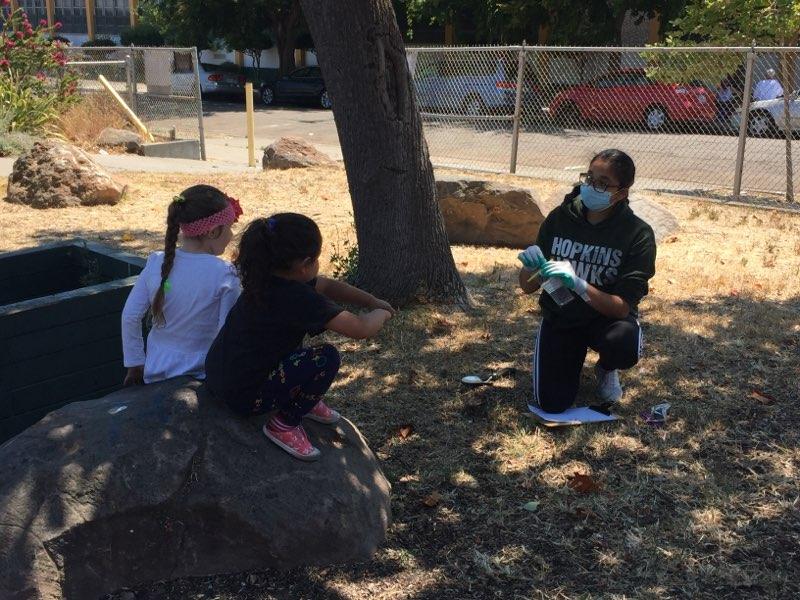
583,483
432,500
762,398
128,237
404,431
441,327
531,506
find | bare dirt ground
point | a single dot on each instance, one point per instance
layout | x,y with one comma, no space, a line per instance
706,507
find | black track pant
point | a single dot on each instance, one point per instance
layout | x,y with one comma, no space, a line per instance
559,354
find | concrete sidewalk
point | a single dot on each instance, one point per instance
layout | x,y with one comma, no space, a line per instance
234,149
116,163
224,155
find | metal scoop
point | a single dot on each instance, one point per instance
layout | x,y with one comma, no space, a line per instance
478,380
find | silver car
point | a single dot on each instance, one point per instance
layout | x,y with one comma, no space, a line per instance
767,117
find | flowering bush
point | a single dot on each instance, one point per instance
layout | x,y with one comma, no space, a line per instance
35,86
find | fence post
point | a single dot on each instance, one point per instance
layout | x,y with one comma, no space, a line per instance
517,110
131,80
744,122
198,92
251,141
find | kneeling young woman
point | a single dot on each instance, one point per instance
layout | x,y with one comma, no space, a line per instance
604,256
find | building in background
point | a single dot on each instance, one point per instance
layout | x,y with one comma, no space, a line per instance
83,20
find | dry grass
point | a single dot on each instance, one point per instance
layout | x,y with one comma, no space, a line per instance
706,507
82,123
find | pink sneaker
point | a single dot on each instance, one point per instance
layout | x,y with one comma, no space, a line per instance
293,439
322,413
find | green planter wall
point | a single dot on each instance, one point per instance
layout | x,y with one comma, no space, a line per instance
60,309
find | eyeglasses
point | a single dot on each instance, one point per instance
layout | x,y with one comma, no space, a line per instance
587,179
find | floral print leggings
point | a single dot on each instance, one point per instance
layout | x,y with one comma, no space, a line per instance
298,382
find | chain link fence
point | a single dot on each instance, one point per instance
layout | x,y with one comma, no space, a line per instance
709,120
160,85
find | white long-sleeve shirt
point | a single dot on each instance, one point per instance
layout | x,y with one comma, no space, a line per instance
767,89
202,289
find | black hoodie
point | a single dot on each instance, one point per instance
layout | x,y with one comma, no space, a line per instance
617,256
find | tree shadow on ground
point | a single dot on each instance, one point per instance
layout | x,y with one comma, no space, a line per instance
682,509
703,507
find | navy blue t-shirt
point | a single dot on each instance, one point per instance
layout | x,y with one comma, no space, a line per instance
257,335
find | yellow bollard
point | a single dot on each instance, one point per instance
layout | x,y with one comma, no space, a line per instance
131,115
251,125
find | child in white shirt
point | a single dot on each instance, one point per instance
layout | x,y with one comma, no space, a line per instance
189,290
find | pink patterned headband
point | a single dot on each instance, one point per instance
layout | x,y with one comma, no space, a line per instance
226,216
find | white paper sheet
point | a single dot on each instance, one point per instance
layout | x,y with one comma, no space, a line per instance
572,416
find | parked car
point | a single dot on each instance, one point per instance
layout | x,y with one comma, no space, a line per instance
767,117
628,96
465,84
302,85
214,79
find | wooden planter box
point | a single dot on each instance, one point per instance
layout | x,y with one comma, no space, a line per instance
60,341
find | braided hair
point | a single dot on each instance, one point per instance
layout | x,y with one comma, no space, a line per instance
193,203
274,244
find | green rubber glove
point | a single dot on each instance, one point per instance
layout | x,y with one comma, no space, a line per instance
532,258
564,271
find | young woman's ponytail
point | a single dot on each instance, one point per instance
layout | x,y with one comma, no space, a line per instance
274,244
196,202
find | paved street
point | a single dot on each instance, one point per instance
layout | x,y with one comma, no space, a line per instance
669,161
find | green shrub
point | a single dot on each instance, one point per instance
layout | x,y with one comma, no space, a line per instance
35,86
15,143
344,261
143,34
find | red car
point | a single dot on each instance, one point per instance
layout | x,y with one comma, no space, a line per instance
629,96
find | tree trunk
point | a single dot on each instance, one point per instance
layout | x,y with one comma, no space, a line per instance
404,254
787,77
284,23
285,47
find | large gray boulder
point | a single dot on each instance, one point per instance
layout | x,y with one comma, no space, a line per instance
161,482
291,153
488,214
663,222
57,175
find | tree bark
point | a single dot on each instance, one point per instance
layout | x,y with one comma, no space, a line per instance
284,22
404,254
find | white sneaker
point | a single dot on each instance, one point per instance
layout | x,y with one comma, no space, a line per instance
608,386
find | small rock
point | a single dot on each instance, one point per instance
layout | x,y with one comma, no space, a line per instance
290,152
118,137
57,175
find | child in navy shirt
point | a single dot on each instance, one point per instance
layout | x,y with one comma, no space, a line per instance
257,362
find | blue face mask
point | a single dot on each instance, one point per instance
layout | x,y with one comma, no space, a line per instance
594,200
